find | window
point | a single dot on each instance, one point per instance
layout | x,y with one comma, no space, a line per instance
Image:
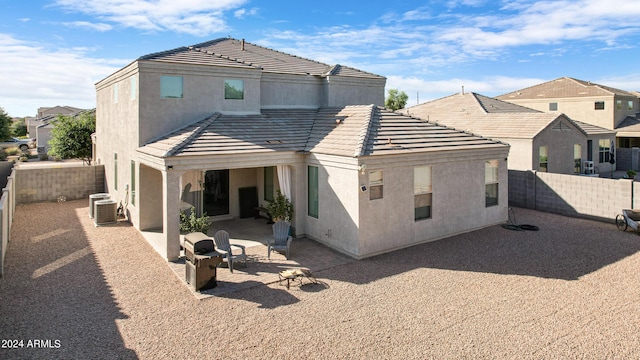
115,171
133,182
171,87
544,158
599,105
134,88
422,192
268,183
553,106
491,183
605,155
630,105
375,185
312,191
577,158
618,104
234,89
115,93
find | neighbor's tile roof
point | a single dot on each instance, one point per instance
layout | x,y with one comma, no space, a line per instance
563,87
491,117
357,130
629,124
231,52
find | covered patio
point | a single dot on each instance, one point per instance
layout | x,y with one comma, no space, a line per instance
260,270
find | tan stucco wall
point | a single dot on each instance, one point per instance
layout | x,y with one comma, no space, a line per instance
520,154
560,145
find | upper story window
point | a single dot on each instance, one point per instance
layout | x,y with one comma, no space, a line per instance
234,89
553,106
115,93
618,104
171,87
630,105
599,105
375,185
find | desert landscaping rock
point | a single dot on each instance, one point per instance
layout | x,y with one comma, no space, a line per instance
570,290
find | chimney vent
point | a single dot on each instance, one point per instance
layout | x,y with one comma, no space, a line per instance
242,46
462,89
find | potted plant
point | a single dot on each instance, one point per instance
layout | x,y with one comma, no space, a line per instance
631,174
280,208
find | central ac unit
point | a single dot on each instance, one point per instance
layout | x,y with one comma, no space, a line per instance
105,212
92,201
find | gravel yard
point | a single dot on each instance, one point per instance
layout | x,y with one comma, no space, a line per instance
570,290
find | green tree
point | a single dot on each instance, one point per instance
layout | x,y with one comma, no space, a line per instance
5,125
71,136
396,99
19,128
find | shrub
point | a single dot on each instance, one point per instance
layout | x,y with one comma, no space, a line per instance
280,208
191,223
24,158
3,155
12,151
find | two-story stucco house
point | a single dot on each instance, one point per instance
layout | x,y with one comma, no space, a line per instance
540,141
587,102
222,124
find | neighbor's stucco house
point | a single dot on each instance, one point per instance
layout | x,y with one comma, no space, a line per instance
46,114
590,103
549,142
221,125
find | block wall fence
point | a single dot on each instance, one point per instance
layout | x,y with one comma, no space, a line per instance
48,184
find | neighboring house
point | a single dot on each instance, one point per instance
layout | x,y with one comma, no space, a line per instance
43,130
223,124
584,101
539,141
46,114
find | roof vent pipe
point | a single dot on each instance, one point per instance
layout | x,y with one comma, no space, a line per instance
242,45
462,89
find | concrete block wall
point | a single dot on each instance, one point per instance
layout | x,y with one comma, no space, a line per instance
581,196
623,159
47,184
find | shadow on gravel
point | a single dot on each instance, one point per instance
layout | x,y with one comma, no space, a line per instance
267,297
54,296
564,248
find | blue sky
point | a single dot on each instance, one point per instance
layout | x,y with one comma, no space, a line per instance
52,52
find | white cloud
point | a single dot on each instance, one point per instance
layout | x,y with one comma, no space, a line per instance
36,75
194,17
88,25
243,13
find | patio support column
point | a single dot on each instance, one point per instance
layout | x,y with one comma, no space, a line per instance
171,215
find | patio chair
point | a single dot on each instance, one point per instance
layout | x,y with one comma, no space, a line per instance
281,240
221,240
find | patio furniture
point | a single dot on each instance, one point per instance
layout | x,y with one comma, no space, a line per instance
223,246
281,240
296,275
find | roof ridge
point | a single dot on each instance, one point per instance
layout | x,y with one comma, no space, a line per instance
194,133
200,50
364,131
164,52
480,103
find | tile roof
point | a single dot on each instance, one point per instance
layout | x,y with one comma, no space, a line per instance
563,87
353,131
239,53
629,124
491,118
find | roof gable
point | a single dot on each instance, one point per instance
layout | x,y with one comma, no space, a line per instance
564,87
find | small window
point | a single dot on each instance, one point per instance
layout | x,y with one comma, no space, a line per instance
234,89
375,185
268,183
312,191
115,93
630,105
134,88
553,106
133,182
491,182
115,171
599,105
577,158
618,104
544,158
604,148
422,193
171,87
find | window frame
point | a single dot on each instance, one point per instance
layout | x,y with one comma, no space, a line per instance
553,106
313,198
604,154
376,187
618,104
229,84
630,105
491,183
577,158
598,105
543,161
422,194
166,86
115,93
